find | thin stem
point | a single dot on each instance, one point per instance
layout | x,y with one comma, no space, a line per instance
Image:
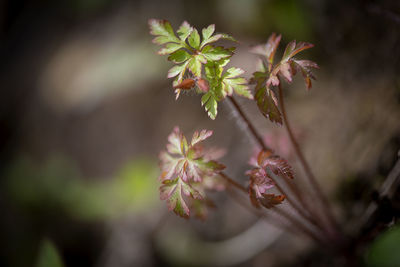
234,183
281,212
260,141
250,126
304,163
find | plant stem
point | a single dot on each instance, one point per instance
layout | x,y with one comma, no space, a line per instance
249,125
306,167
260,141
281,212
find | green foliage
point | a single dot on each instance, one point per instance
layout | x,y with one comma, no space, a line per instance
57,186
385,251
197,54
48,255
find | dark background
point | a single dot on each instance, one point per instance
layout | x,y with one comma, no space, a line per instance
85,107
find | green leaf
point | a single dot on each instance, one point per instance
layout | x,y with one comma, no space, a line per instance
194,66
48,255
207,32
194,39
210,104
169,48
216,53
232,83
184,31
163,30
179,56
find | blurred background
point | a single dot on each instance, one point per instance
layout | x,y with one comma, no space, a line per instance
85,108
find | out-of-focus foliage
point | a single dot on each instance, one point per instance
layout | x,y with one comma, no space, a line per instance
48,255
57,185
186,171
261,180
385,250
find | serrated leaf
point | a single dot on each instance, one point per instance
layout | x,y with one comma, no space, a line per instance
184,31
269,49
267,103
207,32
179,56
200,136
292,49
304,66
231,82
171,191
210,104
163,30
216,53
194,65
169,48
286,71
194,39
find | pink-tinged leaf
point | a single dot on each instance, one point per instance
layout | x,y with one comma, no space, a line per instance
168,165
175,139
272,80
260,182
200,136
184,31
268,50
292,49
203,86
163,30
305,66
171,191
275,163
286,71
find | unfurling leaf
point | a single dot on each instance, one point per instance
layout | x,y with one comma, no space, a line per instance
187,171
261,181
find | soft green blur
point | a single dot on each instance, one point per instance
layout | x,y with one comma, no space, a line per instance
58,185
385,250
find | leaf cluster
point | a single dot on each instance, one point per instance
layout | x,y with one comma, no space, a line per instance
187,171
205,62
261,180
269,73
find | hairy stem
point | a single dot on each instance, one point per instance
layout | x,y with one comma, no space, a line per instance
304,164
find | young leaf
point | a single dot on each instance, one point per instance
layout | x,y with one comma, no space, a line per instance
267,103
163,31
304,66
216,53
269,49
184,31
194,39
231,82
173,192
210,104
